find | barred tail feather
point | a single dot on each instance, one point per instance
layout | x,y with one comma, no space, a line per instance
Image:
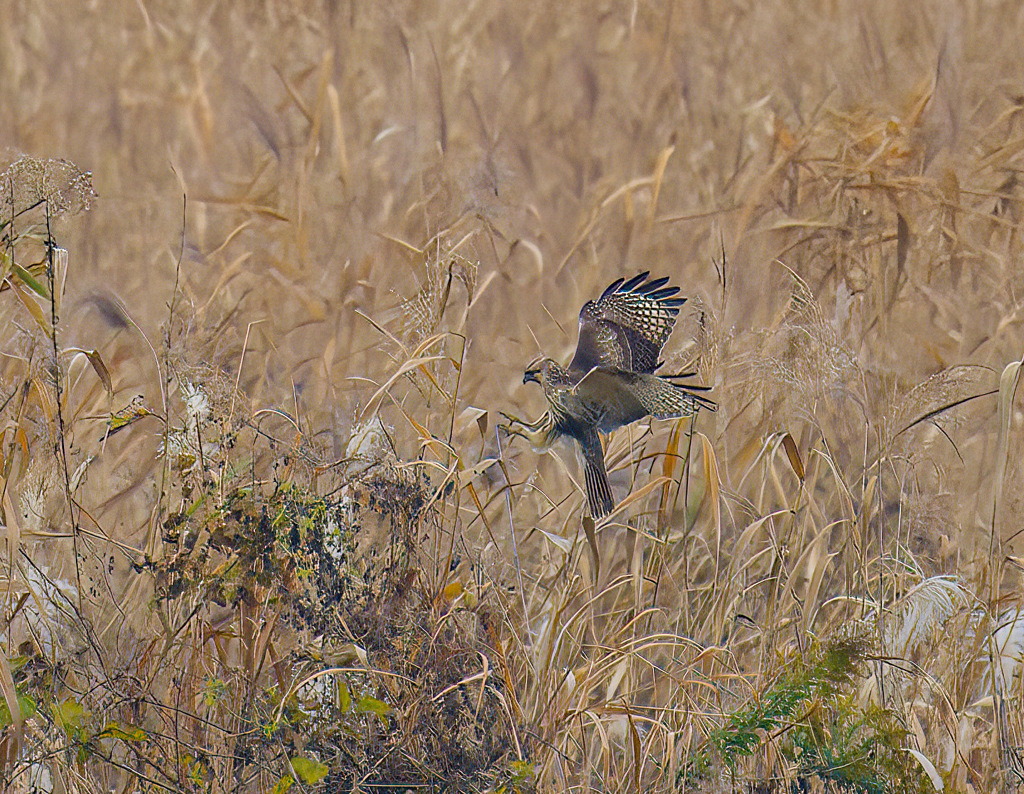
599,493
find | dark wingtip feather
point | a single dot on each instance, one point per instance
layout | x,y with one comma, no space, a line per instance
663,294
699,399
612,287
705,403
640,278
678,375
651,286
692,390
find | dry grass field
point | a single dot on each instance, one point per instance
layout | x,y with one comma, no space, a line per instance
262,531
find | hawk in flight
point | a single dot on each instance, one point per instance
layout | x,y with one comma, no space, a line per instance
611,379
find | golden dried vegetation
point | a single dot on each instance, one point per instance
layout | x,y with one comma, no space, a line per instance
270,271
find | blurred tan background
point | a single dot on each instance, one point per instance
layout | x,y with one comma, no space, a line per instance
872,149
835,185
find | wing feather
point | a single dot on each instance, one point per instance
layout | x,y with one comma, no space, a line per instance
664,399
628,325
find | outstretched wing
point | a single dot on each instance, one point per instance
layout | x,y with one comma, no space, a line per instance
627,326
599,494
666,397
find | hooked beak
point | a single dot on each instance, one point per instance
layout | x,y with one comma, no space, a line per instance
531,374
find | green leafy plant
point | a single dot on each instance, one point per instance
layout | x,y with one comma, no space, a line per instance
810,711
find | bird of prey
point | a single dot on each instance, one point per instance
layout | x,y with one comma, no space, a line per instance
611,379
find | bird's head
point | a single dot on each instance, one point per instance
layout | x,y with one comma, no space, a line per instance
538,370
